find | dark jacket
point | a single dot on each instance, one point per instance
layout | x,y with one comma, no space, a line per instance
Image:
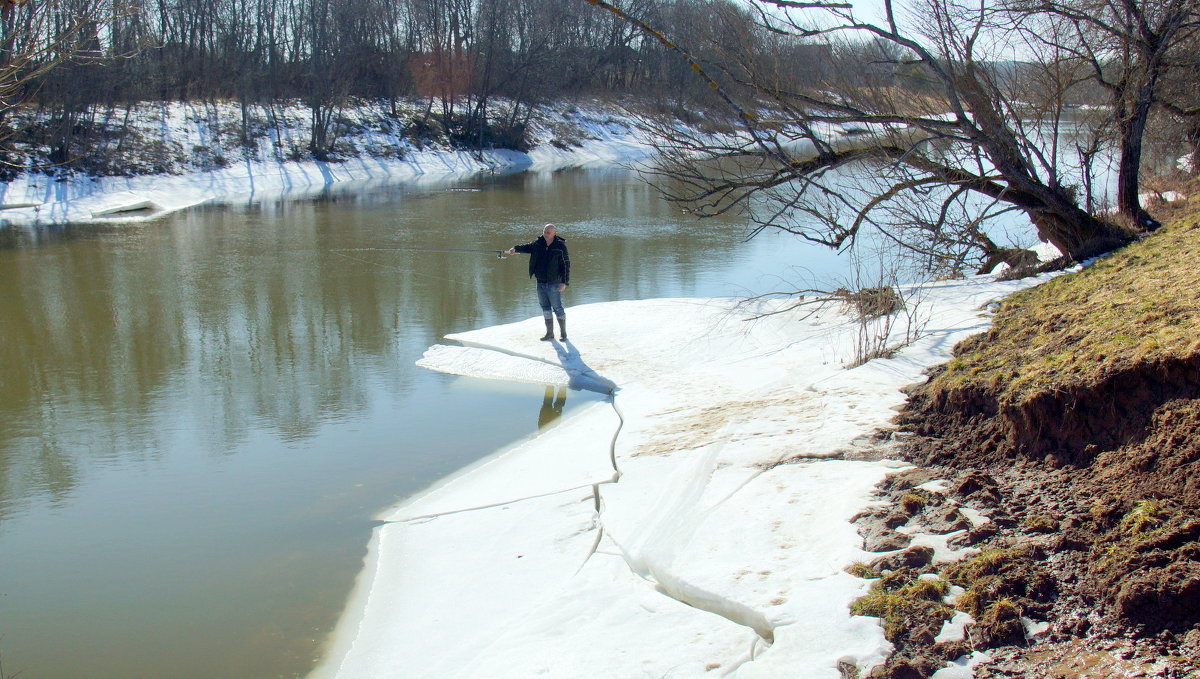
548,263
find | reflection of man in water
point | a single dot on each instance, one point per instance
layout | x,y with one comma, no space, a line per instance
552,406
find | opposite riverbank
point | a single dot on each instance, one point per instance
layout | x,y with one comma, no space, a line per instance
176,155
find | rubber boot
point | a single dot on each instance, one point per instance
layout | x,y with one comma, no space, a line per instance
562,328
549,331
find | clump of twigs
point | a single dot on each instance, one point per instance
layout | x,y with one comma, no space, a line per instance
871,303
886,322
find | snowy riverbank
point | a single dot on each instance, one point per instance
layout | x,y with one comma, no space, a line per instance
698,526
209,163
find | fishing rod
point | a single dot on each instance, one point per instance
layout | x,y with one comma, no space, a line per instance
500,254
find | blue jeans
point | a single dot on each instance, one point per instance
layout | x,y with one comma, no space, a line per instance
550,298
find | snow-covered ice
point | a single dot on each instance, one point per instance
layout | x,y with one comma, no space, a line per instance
696,525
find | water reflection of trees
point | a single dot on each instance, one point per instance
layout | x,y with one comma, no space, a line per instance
227,321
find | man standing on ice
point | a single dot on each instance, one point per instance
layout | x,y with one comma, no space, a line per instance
550,265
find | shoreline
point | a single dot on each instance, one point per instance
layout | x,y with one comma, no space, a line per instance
339,642
723,544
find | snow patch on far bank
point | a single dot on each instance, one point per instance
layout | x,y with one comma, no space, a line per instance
275,165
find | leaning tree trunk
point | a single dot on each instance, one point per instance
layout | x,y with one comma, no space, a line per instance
1076,233
1058,218
1056,214
995,255
1193,139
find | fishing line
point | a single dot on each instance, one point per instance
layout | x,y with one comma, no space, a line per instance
341,253
499,253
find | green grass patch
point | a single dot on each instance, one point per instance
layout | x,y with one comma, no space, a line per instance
986,563
862,570
912,502
902,602
1136,305
1041,524
1143,520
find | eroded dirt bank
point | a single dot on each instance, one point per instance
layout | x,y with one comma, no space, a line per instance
1074,427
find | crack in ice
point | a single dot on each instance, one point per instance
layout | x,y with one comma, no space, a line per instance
428,517
662,580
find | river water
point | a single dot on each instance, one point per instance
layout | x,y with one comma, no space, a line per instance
200,416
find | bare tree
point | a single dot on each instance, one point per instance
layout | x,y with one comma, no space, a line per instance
1182,107
36,38
483,64
326,85
925,130
1129,46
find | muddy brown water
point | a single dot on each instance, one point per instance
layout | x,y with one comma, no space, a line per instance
201,415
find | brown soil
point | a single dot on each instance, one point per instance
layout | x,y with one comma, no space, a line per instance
1117,467
1094,501
1074,426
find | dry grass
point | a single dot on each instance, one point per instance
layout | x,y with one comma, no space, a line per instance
900,100
1136,305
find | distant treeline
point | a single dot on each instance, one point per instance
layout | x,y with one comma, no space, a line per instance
459,56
